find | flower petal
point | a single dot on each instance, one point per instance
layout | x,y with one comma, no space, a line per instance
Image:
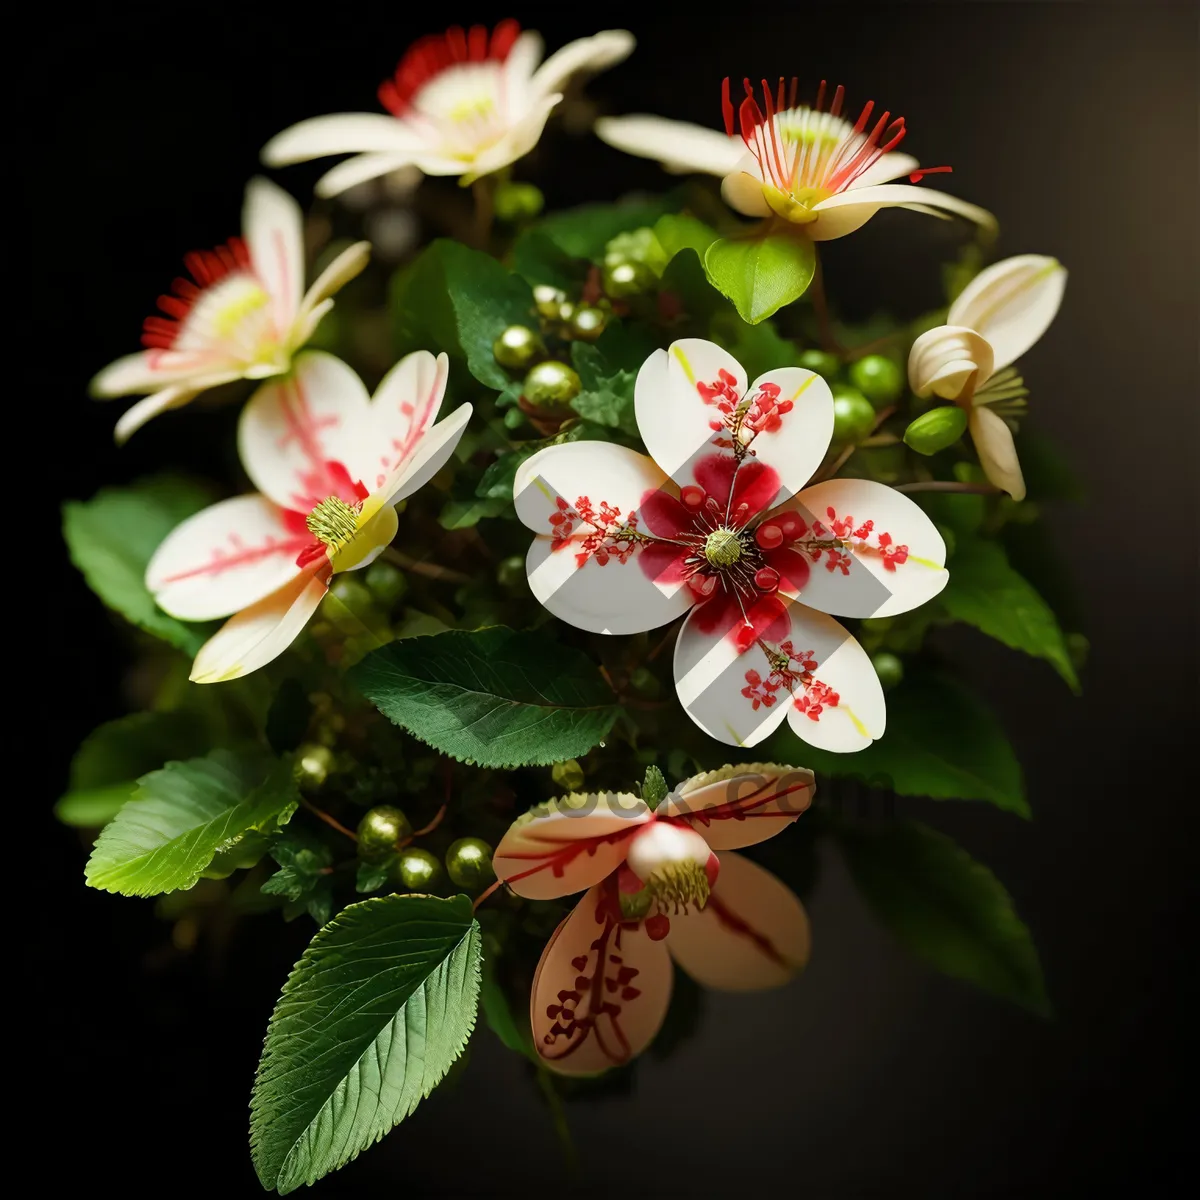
405,406
886,168
431,455
135,373
576,496
568,844
341,133
225,557
596,53
742,190
344,268
146,409
272,225
847,211
261,632
359,169
1011,303
522,62
949,360
997,452
791,418
740,805
601,989
897,564
303,436
517,142
752,934
680,146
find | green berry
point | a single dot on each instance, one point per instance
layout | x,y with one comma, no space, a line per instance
587,323
518,348
628,278
417,869
510,574
853,416
518,202
878,378
936,429
551,384
313,764
350,608
821,361
386,581
889,669
469,863
380,830
644,682
568,775
547,300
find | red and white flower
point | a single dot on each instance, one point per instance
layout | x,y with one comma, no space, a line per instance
810,166
708,526
657,891
997,317
330,464
461,103
242,314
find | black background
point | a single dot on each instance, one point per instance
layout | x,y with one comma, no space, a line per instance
1077,125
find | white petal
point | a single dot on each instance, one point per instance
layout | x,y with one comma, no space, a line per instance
359,169
518,141
601,990
948,361
224,558
885,169
569,844
590,54
143,372
521,63
341,133
405,406
740,805
898,565
134,417
679,145
752,934
1011,303
849,210
297,425
997,453
272,225
574,571
743,191
259,633
794,449
430,456
344,268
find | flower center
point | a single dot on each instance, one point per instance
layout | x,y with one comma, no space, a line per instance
675,886
675,866
722,548
334,522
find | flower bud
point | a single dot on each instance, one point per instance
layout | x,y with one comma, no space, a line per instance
878,378
551,384
518,202
417,869
547,299
889,669
936,429
510,574
627,278
821,361
587,323
313,763
640,247
518,348
568,775
469,863
386,582
853,416
380,830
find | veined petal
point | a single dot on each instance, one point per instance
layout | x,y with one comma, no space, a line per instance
847,211
341,133
344,268
1011,303
568,844
740,805
305,436
601,989
431,455
518,141
224,558
948,361
743,192
791,422
596,53
272,225
680,146
886,168
405,406
882,554
259,633
592,566
752,934
997,452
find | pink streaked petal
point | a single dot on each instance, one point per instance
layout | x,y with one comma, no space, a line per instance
272,225
791,418
403,409
742,489
431,455
601,989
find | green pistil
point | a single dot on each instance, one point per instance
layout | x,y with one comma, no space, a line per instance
722,548
333,522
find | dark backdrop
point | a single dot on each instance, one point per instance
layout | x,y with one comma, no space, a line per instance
1077,125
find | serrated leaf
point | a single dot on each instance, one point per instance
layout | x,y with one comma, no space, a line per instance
946,908
182,816
941,741
495,697
986,592
373,1015
760,273
370,877
606,396
111,538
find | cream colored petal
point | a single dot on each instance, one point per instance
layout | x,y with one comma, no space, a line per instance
744,192
847,211
589,54
997,452
172,397
680,146
273,226
359,169
885,169
519,140
948,360
143,372
344,268
341,133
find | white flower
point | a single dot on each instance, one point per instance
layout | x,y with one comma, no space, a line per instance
707,526
242,315
330,464
807,165
998,316
657,892
461,103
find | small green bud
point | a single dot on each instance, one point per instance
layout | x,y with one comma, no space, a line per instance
878,378
518,348
386,581
551,384
936,429
547,299
821,361
514,418
518,202
654,787
889,669
645,682
853,416
587,323
312,766
568,775
469,863
417,869
1078,648
350,608
510,574
628,279
640,247
380,830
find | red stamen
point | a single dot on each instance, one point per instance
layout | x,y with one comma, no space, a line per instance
727,107
207,267
917,176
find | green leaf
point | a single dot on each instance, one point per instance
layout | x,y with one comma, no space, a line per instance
106,767
986,592
497,481
677,231
463,514
941,741
511,1027
761,273
111,538
370,877
584,232
372,1017
685,280
459,300
606,396
539,259
946,908
759,348
495,697
181,816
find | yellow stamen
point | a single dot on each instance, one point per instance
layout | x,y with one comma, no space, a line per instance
334,522
675,885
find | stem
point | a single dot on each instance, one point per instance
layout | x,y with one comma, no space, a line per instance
485,894
840,461
672,632
484,191
421,567
944,485
332,822
416,833
879,343
821,308
559,1119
